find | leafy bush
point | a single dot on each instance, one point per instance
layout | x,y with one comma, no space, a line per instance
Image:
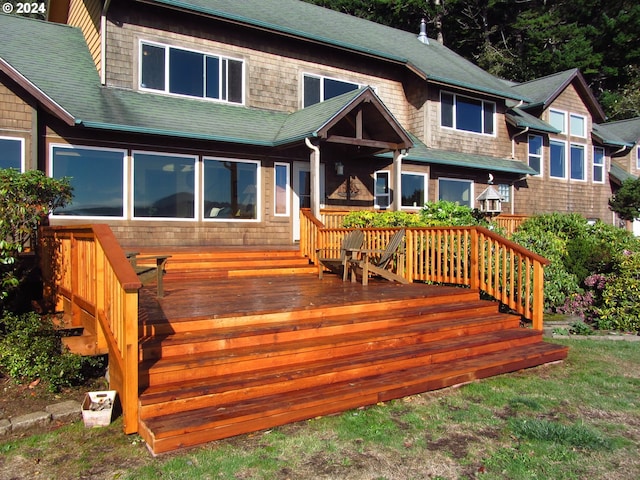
30,348
369,219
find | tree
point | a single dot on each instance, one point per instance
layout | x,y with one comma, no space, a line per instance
626,201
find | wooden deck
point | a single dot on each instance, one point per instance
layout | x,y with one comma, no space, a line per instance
230,353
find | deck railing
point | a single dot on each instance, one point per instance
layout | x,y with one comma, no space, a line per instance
471,256
89,278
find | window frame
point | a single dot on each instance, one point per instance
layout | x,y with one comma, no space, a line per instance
583,148
574,116
564,160
599,166
322,79
454,112
504,190
425,186
539,156
125,179
223,82
553,111
22,142
287,167
258,204
196,193
471,183
376,204
638,157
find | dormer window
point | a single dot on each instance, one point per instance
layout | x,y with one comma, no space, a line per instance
467,114
186,72
317,89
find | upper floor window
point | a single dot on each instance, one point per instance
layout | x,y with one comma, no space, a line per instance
558,120
578,170
455,190
535,153
557,159
598,165
577,125
195,74
11,153
414,190
468,114
317,89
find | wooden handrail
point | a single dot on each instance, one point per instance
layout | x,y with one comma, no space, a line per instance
88,277
470,256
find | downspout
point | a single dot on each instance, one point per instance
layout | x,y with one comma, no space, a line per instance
513,141
315,177
513,156
103,42
397,179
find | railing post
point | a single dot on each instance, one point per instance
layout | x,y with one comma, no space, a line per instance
474,280
130,356
538,296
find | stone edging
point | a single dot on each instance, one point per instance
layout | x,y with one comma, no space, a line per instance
68,411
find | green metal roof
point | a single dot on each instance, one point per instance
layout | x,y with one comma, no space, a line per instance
521,119
626,130
541,90
619,173
434,61
607,137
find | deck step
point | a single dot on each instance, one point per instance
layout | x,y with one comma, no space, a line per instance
168,432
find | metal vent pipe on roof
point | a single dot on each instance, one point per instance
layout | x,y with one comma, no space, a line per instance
422,37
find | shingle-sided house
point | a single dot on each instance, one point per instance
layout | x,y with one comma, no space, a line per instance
210,122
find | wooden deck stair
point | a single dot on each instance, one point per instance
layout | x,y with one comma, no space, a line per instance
208,378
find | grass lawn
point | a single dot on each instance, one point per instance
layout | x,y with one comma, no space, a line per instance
579,419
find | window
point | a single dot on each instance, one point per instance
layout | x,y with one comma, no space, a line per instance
414,190
97,178
504,190
382,190
191,73
578,171
535,153
557,159
638,158
230,189
577,125
163,186
281,189
317,89
468,114
12,153
454,190
598,165
557,120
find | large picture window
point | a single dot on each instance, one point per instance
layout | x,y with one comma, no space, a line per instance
578,170
382,190
455,190
535,153
467,114
414,190
12,153
97,178
231,189
598,165
557,159
317,89
195,74
163,186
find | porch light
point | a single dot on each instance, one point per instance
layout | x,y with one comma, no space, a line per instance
339,169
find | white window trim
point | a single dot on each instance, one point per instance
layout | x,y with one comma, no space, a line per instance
375,193
287,192
458,130
472,197
541,155
196,192
566,159
23,165
258,191
585,163
564,121
425,179
507,187
584,125
322,78
125,179
638,158
166,91
602,165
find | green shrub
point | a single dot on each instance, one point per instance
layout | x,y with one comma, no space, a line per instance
30,348
368,219
620,307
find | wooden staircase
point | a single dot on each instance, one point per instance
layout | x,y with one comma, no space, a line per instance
208,378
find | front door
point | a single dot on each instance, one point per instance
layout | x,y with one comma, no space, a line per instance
302,192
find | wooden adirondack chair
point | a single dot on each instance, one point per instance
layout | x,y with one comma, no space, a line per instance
351,242
377,262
